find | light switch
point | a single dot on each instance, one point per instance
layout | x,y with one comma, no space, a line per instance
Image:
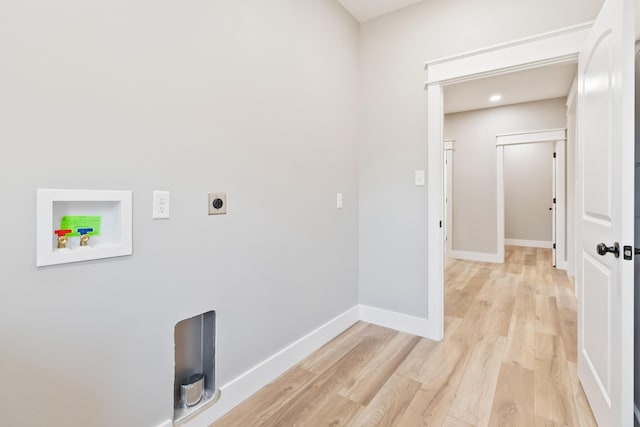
339,200
420,178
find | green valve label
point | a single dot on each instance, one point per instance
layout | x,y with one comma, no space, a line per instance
74,222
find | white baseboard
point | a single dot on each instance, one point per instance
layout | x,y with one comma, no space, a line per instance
241,388
398,321
529,243
475,256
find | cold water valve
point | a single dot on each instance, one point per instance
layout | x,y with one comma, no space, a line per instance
84,236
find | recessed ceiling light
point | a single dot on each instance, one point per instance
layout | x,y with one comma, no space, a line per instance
495,98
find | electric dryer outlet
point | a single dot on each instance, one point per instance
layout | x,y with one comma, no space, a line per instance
217,203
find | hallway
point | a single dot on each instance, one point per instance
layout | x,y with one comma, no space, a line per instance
529,308
508,359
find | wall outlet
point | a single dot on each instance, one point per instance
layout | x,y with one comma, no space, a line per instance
339,200
217,203
161,204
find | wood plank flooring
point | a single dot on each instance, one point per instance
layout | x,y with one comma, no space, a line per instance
508,359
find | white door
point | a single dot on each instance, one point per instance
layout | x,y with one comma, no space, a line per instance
606,171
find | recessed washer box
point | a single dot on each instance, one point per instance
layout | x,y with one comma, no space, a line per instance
195,357
114,208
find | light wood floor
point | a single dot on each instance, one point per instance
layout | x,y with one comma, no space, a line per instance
508,359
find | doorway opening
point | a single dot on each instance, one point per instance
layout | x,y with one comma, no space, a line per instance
604,175
517,154
556,47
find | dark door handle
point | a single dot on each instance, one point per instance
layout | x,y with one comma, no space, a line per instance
603,249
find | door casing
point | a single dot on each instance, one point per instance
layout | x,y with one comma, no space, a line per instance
561,46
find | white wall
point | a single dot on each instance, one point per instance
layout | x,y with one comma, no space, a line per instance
528,191
394,49
473,227
258,99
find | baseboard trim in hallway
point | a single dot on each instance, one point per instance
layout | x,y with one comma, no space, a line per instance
476,256
398,321
529,243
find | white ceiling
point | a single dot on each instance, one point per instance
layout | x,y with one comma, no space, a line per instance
363,10
553,81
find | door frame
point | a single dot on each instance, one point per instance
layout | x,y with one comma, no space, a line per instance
558,138
561,46
449,148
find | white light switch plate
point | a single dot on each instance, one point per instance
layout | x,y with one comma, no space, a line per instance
161,205
339,200
420,178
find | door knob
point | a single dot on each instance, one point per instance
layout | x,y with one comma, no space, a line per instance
603,249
